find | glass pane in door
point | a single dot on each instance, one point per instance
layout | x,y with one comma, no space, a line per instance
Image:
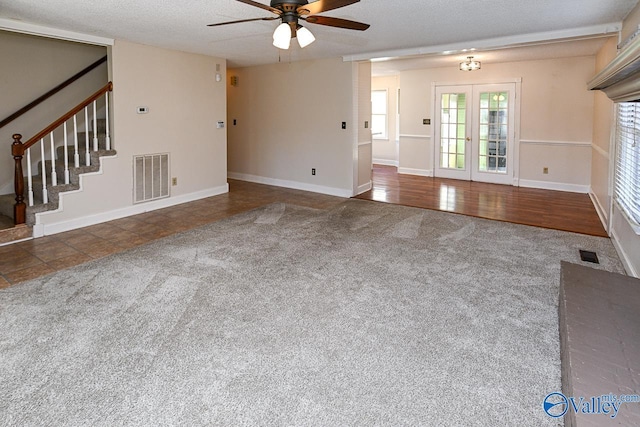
453,130
494,131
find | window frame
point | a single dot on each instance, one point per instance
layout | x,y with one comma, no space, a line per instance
385,134
626,163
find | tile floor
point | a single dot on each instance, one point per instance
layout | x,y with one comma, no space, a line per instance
38,257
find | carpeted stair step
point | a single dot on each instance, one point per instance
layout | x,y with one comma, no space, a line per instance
53,191
102,140
94,165
74,173
71,150
7,201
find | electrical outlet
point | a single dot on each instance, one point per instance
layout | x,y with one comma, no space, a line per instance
174,181
545,170
313,171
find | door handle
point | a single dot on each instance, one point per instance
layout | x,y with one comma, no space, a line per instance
468,139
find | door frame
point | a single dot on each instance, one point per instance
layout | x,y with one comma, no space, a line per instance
516,112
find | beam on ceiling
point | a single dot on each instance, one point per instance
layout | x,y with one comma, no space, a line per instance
602,30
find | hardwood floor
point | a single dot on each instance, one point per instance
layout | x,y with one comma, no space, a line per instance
542,208
551,209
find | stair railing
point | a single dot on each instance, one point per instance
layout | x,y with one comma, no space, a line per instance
20,149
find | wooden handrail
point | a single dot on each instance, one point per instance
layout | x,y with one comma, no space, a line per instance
52,92
106,88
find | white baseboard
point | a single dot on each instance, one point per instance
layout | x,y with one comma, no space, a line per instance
602,213
559,186
624,257
364,187
331,191
385,162
40,230
419,172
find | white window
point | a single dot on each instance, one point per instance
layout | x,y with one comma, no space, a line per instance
627,168
379,114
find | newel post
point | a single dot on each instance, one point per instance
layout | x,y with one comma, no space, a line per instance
20,208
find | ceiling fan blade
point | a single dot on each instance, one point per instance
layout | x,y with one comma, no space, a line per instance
261,6
323,6
337,22
243,20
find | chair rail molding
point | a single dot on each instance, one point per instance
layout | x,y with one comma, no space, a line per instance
556,143
405,135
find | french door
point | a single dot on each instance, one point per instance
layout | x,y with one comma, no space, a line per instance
475,132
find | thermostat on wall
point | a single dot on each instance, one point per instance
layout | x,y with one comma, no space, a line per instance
220,125
142,110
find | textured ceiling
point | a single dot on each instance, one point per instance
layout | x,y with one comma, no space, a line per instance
395,24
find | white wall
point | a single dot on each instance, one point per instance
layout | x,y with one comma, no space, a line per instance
30,67
555,123
289,119
185,102
362,102
385,150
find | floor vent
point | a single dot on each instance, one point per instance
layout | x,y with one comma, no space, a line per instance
588,256
150,177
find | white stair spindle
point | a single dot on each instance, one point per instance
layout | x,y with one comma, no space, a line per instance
95,126
54,175
29,178
66,156
76,155
87,155
107,137
43,171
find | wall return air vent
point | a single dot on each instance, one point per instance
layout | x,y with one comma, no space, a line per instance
150,177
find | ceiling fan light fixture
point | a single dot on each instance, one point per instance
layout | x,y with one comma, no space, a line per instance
282,36
470,64
304,36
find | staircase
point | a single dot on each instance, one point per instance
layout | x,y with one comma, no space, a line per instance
52,168
53,191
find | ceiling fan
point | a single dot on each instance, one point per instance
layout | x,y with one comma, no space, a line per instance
290,12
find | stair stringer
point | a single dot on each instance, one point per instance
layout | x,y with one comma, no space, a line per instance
39,227
89,205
